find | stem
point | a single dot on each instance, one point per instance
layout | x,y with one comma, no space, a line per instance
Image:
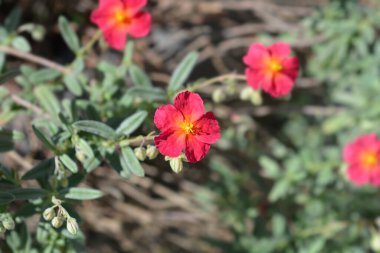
34,58
137,140
91,42
218,79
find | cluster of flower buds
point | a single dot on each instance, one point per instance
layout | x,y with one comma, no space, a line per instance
57,214
149,152
219,95
249,94
61,174
176,163
6,223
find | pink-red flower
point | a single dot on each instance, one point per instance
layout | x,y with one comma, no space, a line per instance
185,126
363,159
271,68
118,18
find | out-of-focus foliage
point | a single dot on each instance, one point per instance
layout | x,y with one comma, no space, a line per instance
300,199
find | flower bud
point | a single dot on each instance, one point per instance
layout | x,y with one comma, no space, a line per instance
176,164
72,225
140,153
256,98
218,96
56,201
48,214
57,222
2,229
375,242
8,223
246,93
151,152
231,88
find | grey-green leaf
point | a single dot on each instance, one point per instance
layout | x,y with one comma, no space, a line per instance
69,163
83,193
148,94
47,99
21,44
131,162
182,71
43,138
68,34
73,84
130,124
43,75
40,170
95,127
139,77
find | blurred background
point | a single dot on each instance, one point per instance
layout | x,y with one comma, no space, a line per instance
275,182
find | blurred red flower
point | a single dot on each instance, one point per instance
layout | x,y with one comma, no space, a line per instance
118,18
184,125
271,68
363,159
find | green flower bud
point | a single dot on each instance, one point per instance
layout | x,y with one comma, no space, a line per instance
72,225
2,229
140,153
375,242
256,98
57,222
151,152
8,223
246,93
176,164
49,213
218,96
231,88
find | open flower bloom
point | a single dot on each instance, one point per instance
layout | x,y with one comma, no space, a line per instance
271,68
118,18
185,126
363,159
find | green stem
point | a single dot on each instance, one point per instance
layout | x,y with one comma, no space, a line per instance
91,43
218,79
137,140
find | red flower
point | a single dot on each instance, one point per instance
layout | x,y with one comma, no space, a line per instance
117,18
363,159
271,68
184,125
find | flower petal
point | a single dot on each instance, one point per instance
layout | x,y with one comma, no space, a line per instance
141,24
255,78
280,85
279,50
208,130
190,104
256,56
170,143
167,117
134,4
291,67
116,37
357,175
195,150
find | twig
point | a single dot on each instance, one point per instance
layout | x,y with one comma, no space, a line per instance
34,58
26,104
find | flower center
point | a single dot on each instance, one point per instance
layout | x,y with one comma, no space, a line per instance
275,66
369,159
188,127
122,16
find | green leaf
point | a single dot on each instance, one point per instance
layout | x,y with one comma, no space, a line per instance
128,53
5,171
130,124
28,193
83,194
73,84
85,148
139,77
13,19
6,198
43,75
68,34
47,100
270,166
40,170
148,94
9,75
182,71
131,162
2,61
6,140
69,163
279,190
45,140
21,44
95,127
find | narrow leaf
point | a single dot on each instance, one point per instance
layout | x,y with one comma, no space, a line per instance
68,34
73,85
69,163
130,124
47,99
43,138
40,170
6,198
149,94
83,193
95,127
132,162
9,75
182,72
139,77
28,193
